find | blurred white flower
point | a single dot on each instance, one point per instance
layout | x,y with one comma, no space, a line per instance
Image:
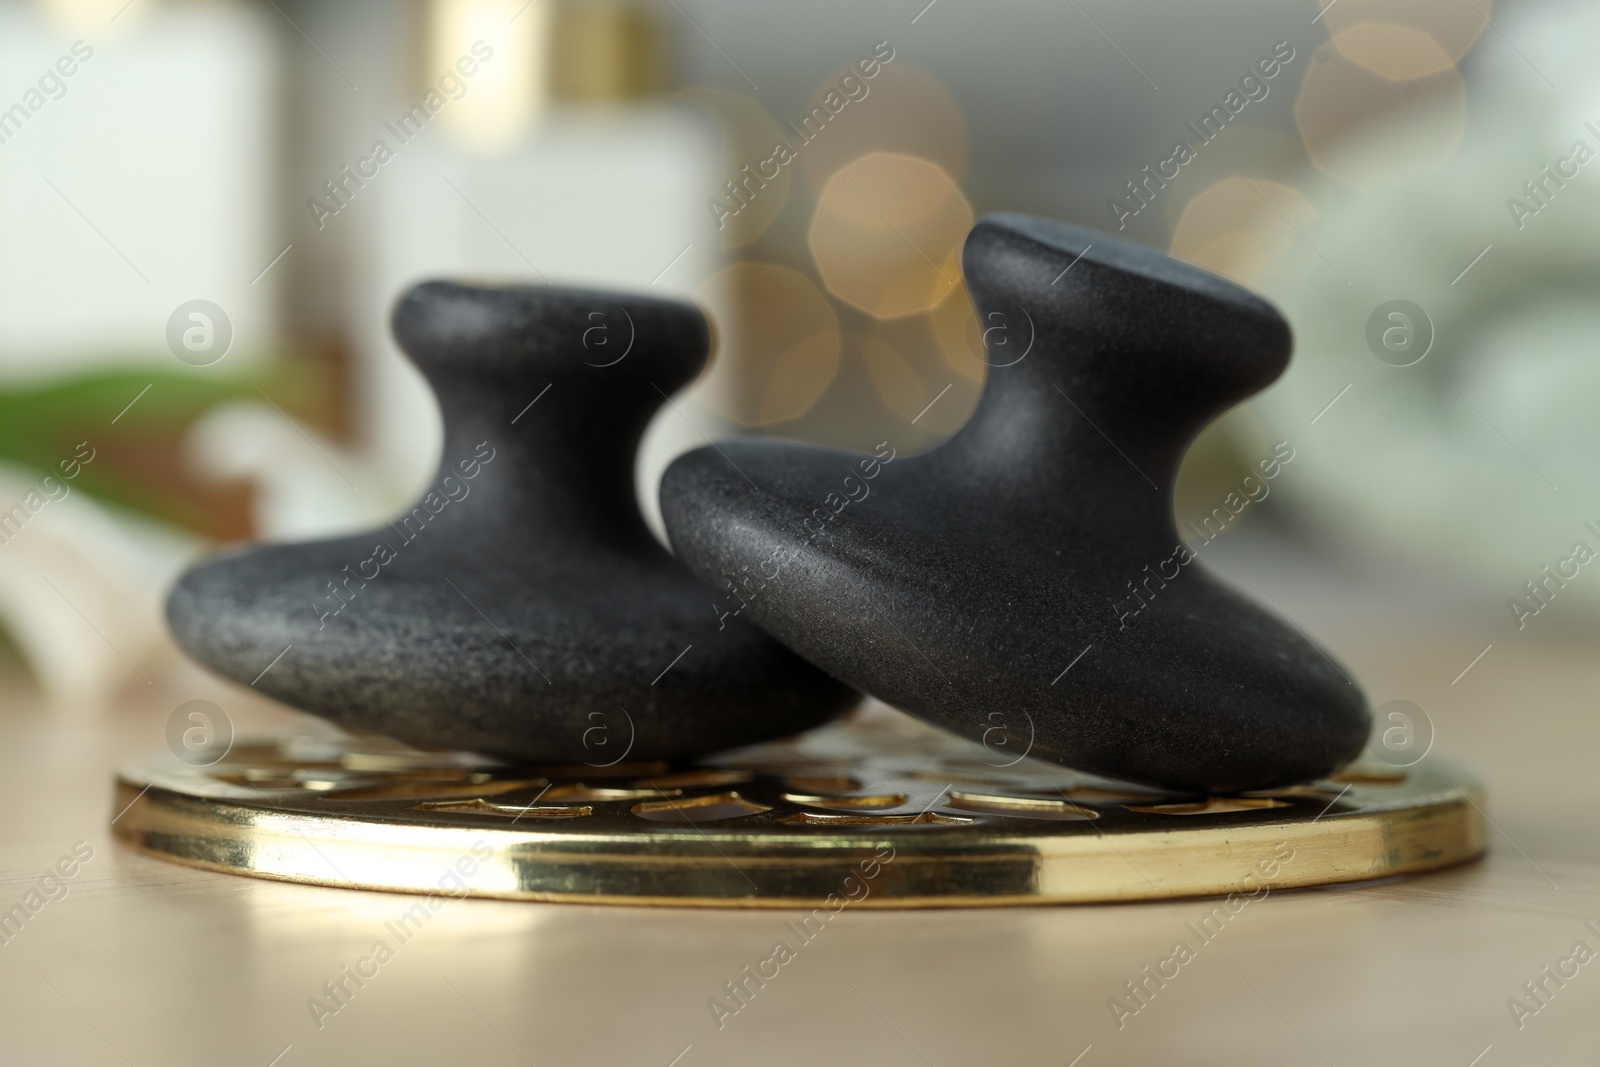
307,485
80,594
1480,458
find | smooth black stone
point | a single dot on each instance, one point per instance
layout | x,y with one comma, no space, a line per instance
534,615
966,580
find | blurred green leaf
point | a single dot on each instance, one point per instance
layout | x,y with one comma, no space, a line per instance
136,420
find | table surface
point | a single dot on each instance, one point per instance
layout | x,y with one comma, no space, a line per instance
144,962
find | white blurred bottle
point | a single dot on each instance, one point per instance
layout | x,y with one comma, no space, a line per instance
547,155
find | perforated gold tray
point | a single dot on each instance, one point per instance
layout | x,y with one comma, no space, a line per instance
878,811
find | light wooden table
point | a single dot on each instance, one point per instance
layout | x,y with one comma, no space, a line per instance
149,964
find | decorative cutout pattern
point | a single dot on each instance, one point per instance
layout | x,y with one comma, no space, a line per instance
877,797
479,806
788,783
1213,806
697,810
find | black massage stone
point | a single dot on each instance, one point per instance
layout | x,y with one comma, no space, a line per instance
1024,584
522,607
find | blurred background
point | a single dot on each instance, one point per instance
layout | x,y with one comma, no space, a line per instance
208,208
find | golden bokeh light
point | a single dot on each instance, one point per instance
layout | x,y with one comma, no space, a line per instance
905,110
100,16
1398,53
955,328
895,380
1371,131
507,93
948,396
761,184
1452,25
887,234
1240,227
780,341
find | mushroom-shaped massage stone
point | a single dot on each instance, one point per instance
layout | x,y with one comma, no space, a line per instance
522,607
1026,576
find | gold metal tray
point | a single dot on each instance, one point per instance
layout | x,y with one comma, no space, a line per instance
876,811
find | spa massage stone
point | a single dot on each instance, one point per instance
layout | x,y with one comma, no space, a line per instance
522,607
1026,576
